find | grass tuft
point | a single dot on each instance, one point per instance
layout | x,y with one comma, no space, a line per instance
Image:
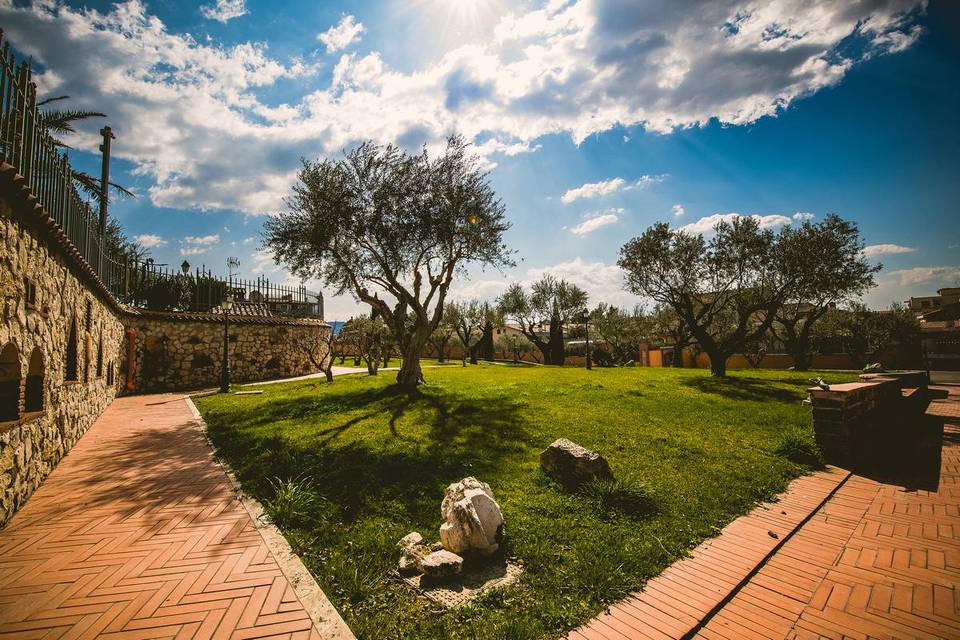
293,501
615,496
799,446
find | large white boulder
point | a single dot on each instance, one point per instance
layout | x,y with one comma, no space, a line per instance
472,518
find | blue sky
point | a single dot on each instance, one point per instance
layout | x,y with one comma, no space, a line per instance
597,117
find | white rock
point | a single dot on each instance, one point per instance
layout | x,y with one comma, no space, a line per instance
441,564
472,518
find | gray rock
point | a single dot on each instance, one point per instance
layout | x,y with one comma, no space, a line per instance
571,465
441,564
874,367
412,551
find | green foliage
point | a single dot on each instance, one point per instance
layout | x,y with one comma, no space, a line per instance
552,303
689,452
799,446
392,228
614,496
293,501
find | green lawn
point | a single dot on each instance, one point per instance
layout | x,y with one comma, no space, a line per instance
691,453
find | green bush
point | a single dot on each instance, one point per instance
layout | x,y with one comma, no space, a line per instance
799,446
293,502
616,496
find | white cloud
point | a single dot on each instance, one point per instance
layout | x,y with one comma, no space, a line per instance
593,190
342,35
705,225
150,240
922,275
596,221
204,241
224,10
189,114
196,245
803,216
606,187
874,250
678,210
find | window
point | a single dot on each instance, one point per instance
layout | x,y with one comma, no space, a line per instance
88,322
100,356
30,293
9,383
110,374
33,397
71,373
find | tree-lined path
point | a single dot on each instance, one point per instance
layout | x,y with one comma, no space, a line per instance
138,533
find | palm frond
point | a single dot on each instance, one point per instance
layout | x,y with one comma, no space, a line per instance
47,101
90,186
61,121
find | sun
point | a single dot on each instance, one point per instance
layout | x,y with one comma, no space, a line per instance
463,15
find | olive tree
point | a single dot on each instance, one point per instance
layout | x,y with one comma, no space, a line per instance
832,268
392,229
551,303
726,291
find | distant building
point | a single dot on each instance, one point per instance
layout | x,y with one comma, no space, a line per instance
944,297
940,327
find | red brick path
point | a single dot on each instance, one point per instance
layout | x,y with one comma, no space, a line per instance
875,561
138,534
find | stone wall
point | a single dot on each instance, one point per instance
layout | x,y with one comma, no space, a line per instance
64,347
184,350
44,303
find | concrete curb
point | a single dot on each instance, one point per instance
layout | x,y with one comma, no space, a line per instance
326,619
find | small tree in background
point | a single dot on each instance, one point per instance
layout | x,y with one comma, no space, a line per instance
466,318
621,330
392,229
368,337
516,344
551,303
726,291
442,335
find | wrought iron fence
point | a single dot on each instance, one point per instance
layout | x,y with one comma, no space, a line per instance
27,145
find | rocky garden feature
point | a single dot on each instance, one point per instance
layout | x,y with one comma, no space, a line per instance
468,558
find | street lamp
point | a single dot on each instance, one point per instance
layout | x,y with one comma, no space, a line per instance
586,333
226,305
185,267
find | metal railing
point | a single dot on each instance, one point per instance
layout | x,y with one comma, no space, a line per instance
26,144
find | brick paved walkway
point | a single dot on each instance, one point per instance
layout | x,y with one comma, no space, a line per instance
879,559
138,534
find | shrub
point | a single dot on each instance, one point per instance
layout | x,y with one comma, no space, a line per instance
293,501
798,445
634,500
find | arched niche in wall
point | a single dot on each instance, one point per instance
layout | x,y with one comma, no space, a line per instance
100,353
72,353
9,383
33,393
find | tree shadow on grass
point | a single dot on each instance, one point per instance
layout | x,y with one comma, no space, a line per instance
742,388
408,471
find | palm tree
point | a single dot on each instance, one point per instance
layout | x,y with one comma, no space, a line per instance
59,122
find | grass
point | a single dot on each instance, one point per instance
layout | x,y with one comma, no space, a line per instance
348,469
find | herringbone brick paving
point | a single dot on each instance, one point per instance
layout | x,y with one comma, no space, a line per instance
877,560
138,534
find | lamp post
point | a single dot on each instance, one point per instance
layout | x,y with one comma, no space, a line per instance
226,305
586,333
